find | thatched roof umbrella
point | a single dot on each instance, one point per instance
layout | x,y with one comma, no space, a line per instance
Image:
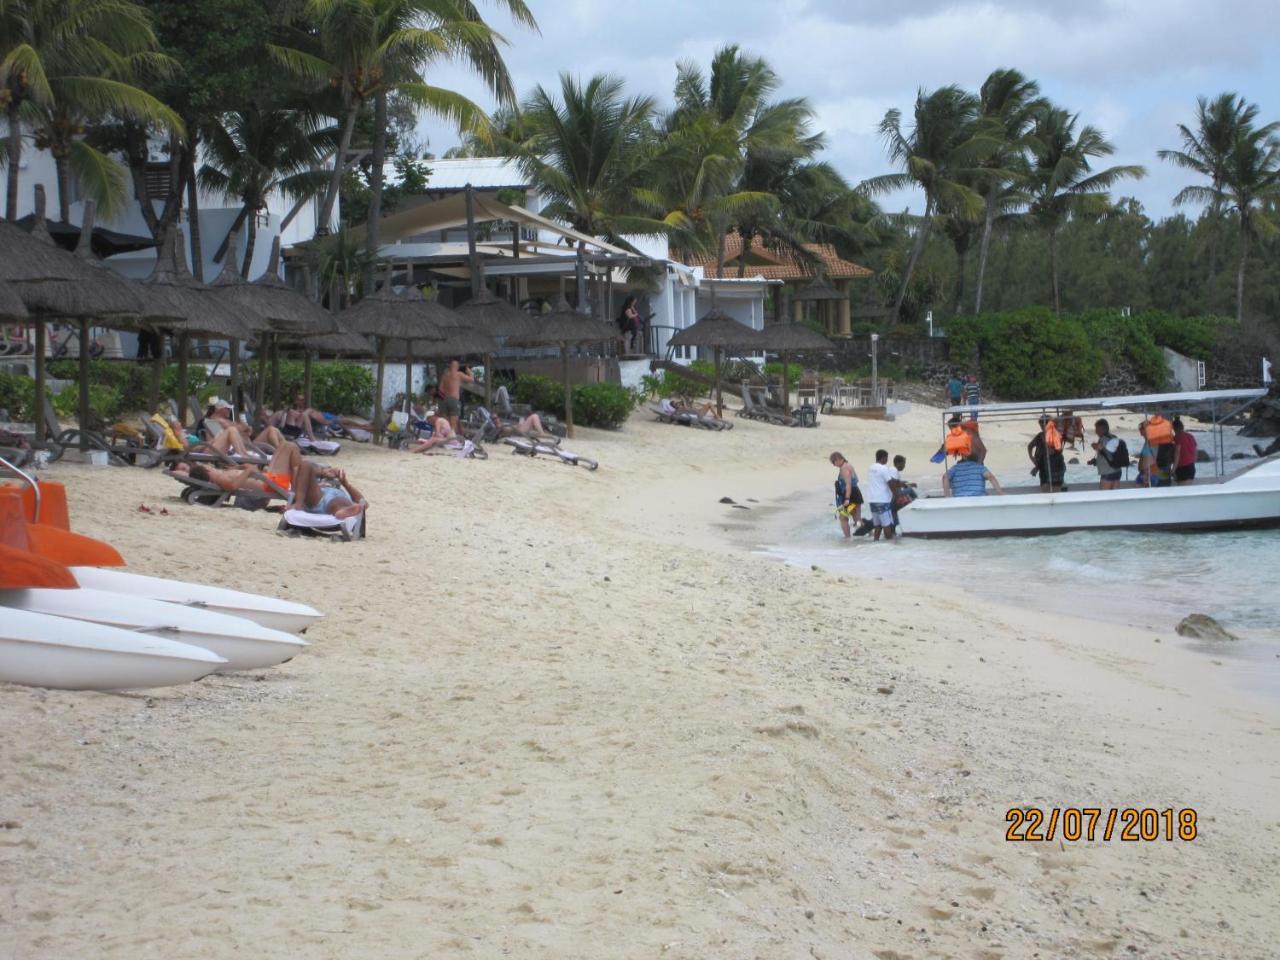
461,342
387,316
785,338
497,318
172,291
11,306
564,327
54,283
247,302
719,331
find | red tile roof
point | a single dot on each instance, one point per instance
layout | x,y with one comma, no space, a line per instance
777,265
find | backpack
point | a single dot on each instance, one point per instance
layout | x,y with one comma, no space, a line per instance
1120,459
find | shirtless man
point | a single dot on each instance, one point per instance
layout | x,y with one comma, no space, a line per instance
281,471
451,381
340,501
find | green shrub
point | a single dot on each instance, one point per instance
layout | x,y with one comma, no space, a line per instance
1029,354
336,387
1191,336
17,395
603,405
773,369
104,404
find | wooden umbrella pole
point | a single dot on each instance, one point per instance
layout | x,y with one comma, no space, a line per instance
306,380
408,376
260,388
377,390
38,413
157,370
786,383
84,382
568,392
719,395
184,347
275,372
233,359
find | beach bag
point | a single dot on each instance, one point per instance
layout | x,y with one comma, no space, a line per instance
959,443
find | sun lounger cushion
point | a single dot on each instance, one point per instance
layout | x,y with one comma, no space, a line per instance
349,528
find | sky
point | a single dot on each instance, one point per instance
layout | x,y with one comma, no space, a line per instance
1133,68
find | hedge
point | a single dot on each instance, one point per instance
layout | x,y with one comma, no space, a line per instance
604,405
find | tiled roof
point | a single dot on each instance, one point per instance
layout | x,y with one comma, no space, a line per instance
776,265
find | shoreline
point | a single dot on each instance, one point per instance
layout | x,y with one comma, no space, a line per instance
554,713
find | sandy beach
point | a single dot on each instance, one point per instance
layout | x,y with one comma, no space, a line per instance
562,714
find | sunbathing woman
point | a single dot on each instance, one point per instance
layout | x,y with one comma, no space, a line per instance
530,426
230,442
441,435
281,472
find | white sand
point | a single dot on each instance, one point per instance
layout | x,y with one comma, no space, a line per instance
493,750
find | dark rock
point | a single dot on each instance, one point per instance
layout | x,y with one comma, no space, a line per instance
1199,626
1239,455
1202,456
885,690
726,500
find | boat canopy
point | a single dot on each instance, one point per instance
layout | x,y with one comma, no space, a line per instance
1136,402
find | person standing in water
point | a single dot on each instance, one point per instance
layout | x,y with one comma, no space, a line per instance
880,487
848,496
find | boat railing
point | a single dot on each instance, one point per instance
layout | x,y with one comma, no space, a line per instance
15,470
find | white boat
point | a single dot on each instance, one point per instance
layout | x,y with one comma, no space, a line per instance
43,651
244,645
1249,498
275,614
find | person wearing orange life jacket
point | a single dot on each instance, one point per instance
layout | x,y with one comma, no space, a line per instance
962,440
1045,451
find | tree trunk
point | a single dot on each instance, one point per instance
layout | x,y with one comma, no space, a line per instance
1215,229
962,264
742,261
378,388
84,383
64,188
568,392
339,168
720,252
249,244
1244,259
136,152
184,351
373,237
1053,270
193,211
918,248
983,251
235,228
15,159
38,413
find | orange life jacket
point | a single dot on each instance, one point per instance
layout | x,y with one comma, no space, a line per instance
1159,431
959,443
1052,438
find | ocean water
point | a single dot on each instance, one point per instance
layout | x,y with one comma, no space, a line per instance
1140,578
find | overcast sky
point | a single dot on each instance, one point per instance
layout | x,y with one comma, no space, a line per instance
1131,67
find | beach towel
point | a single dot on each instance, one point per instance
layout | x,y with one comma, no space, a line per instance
349,528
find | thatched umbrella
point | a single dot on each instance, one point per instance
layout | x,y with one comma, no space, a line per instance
409,317
719,331
785,338
247,302
562,328
54,283
172,291
461,342
11,306
497,318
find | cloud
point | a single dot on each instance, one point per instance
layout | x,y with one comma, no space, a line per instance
1131,67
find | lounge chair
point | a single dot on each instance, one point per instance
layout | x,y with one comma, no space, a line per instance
668,413
206,494
531,448
759,410
460,447
482,428
121,450
300,523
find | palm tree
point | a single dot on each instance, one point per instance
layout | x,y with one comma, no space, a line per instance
1062,181
62,61
261,150
1250,187
590,153
368,48
1007,105
1207,150
939,155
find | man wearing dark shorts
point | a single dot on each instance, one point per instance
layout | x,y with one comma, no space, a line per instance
1106,447
451,381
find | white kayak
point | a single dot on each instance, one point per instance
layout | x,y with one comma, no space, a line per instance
43,651
267,611
245,645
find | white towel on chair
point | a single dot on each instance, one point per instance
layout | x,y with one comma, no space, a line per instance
321,521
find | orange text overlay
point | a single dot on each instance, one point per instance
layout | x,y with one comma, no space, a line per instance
1128,824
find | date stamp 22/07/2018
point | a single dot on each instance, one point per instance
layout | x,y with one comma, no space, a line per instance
1128,824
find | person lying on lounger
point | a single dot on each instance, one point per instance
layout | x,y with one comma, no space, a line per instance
441,434
281,471
684,406
530,426
230,442
341,500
